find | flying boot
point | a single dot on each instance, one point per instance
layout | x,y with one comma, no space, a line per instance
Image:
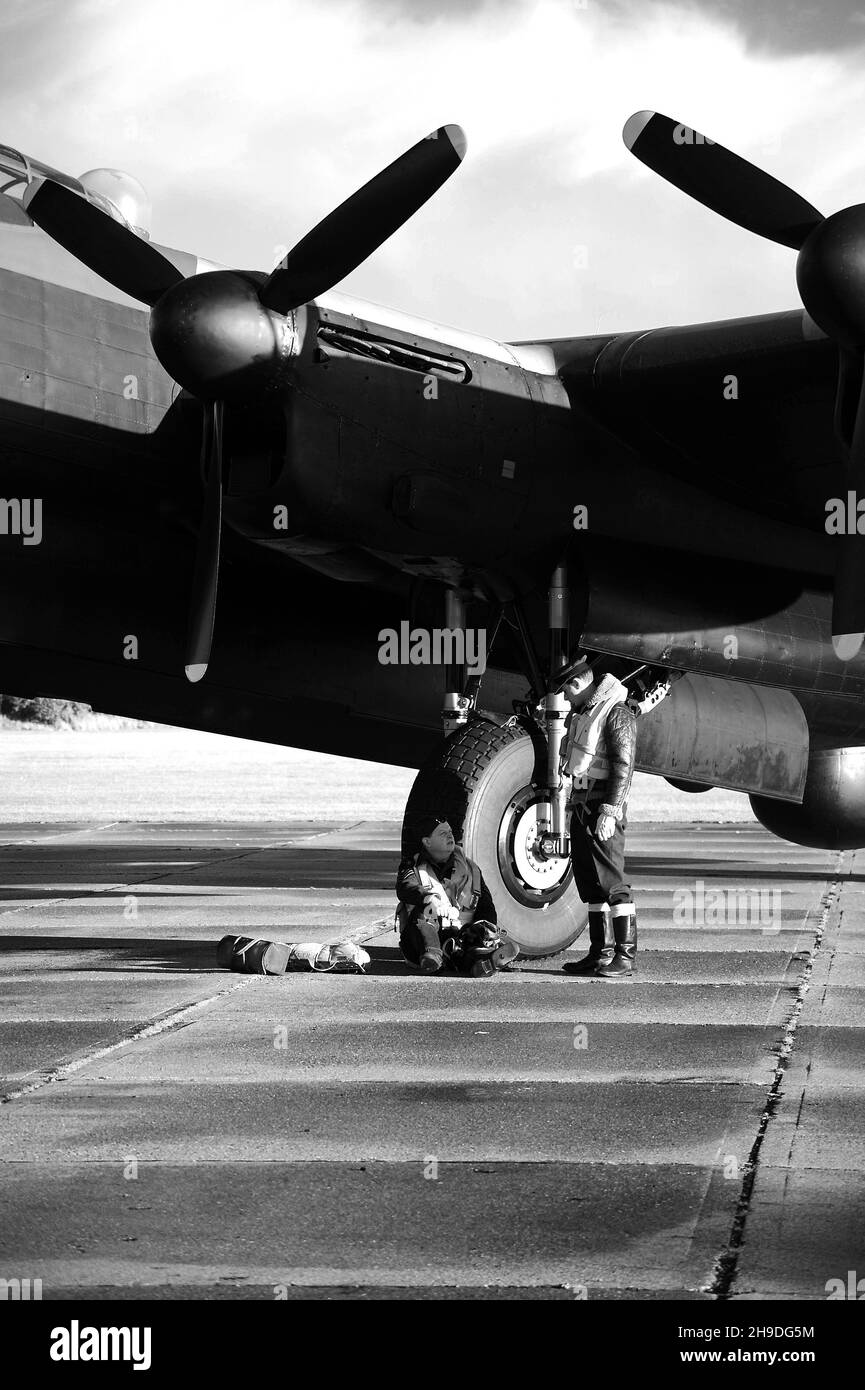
431,957
624,930
506,953
601,944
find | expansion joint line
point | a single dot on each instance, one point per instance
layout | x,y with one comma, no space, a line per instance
726,1266
175,1018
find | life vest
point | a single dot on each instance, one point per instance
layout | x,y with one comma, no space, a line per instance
584,755
457,907
465,889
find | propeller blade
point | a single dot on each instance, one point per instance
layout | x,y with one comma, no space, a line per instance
719,179
353,231
112,250
848,602
202,608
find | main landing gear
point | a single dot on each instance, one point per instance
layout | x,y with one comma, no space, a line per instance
499,786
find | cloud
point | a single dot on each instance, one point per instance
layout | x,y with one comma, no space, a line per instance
385,14
781,26
247,126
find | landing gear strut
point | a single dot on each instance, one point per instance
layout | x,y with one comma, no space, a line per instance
500,788
548,711
458,701
556,843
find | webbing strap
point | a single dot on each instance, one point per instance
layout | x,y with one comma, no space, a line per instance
476,884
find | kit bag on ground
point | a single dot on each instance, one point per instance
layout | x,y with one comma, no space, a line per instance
249,955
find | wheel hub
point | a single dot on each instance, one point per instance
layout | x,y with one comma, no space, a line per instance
527,854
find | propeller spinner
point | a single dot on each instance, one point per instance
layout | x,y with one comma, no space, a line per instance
830,274
222,334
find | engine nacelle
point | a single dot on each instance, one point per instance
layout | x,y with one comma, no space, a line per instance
832,814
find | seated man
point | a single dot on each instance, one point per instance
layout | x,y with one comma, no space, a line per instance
446,908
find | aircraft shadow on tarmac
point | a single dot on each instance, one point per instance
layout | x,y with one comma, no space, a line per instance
75,871
726,867
120,954
190,957
72,872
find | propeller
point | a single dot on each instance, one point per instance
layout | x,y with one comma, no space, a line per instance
205,576
222,334
364,221
106,246
830,274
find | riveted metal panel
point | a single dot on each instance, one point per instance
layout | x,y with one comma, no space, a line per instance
748,738
76,363
736,622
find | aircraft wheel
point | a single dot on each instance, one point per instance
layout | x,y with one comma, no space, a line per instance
480,780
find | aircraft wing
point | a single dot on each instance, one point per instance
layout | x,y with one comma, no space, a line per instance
742,408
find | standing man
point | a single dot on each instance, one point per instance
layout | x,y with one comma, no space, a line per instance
599,752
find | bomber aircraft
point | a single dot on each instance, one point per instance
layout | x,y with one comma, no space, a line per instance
241,501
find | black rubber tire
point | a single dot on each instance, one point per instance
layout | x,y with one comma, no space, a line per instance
470,780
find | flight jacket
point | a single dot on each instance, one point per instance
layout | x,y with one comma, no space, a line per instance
411,892
608,779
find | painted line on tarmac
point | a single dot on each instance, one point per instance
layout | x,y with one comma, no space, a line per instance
61,835
304,838
361,934
176,1019
42,903
171,1021
129,885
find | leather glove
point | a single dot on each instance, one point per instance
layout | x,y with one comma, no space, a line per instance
605,828
430,911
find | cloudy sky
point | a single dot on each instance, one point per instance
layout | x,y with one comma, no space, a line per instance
247,121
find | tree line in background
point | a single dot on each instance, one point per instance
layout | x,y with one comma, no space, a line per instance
39,709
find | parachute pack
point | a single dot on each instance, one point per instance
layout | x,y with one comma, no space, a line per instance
250,955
